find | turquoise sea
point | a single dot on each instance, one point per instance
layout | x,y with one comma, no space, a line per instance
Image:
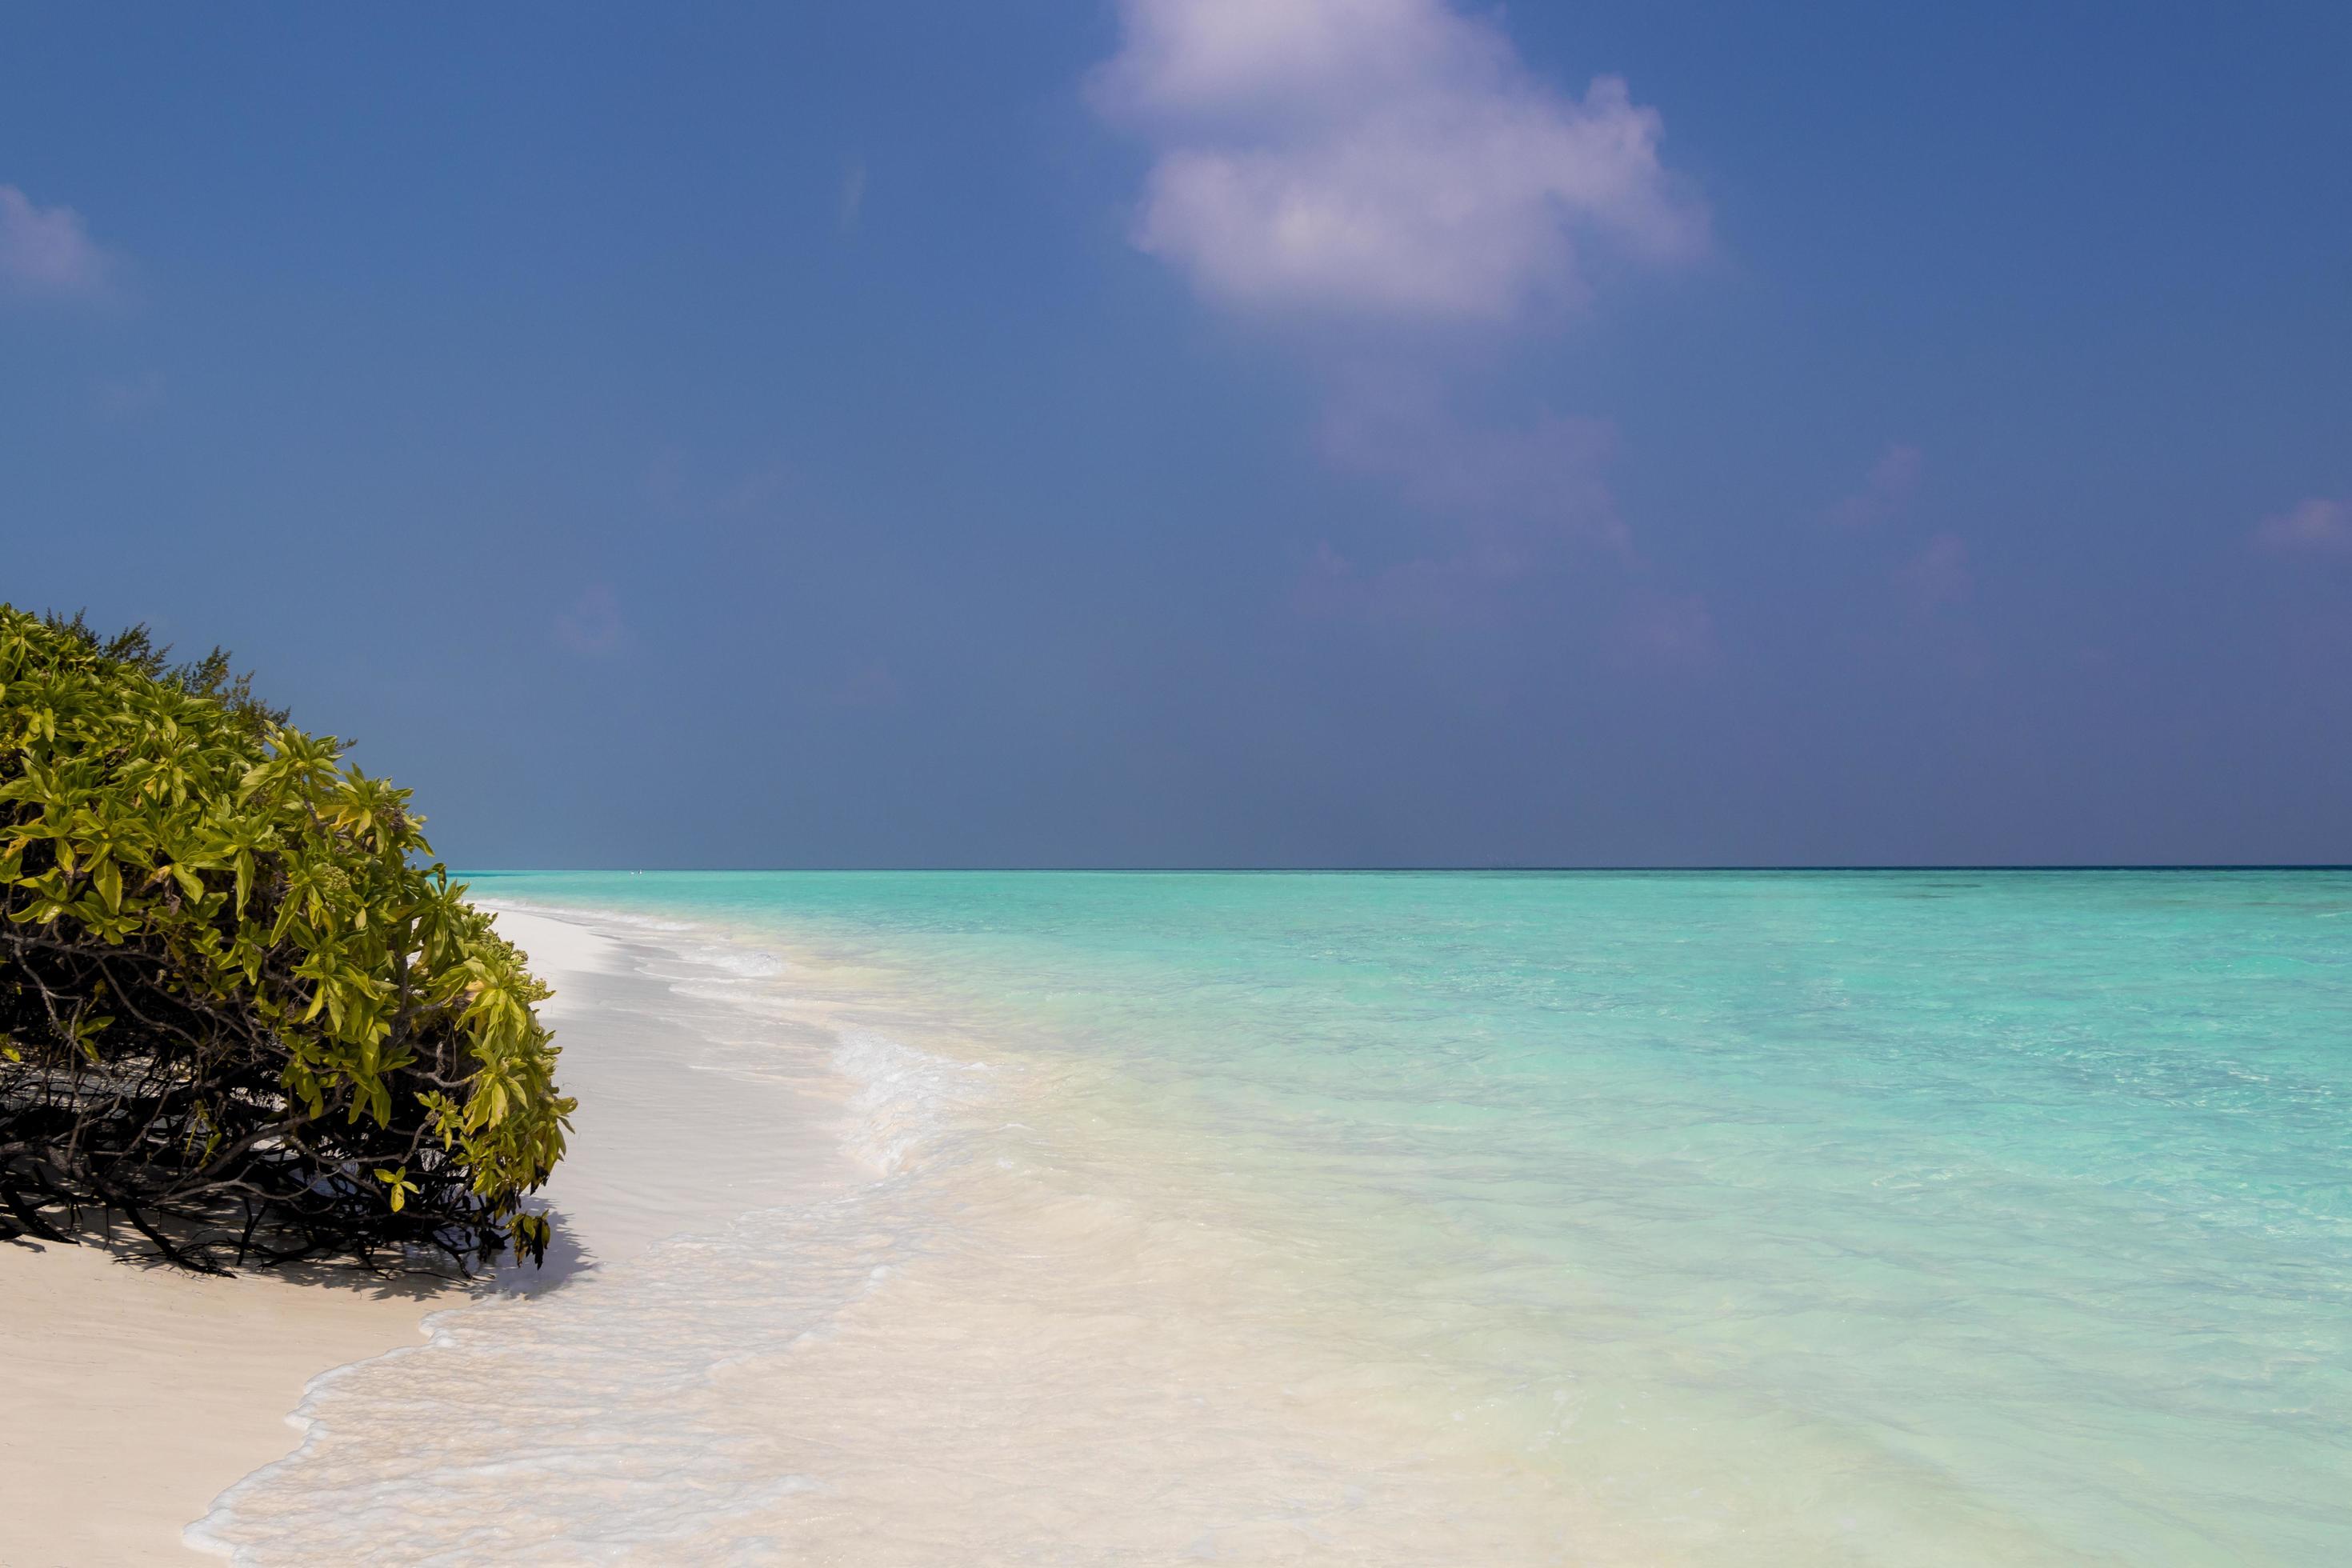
1881,1216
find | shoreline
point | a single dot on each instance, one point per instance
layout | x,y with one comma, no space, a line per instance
137,1394
695,1117
908,1253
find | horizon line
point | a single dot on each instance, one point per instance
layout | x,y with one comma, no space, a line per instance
1403,869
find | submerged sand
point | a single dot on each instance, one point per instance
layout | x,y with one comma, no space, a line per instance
131,1394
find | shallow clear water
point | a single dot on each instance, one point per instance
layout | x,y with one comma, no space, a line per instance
1417,1217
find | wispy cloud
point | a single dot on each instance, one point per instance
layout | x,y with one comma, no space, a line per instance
2320,526
1939,575
1667,631
1537,482
1455,590
1383,157
1885,491
1510,503
46,253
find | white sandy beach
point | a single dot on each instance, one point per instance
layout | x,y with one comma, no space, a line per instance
134,1394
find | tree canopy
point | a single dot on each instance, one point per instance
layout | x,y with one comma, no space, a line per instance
239,1005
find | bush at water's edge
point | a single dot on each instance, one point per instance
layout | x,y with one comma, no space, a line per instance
235,1009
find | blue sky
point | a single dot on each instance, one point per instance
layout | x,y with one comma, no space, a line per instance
1325,432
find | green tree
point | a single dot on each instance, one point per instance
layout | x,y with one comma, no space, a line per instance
238,1005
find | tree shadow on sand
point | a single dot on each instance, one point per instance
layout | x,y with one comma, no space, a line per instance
422,1278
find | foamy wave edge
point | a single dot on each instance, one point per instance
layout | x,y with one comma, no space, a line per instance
902,1096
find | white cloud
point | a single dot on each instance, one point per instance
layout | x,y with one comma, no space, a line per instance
45,252
2318,525
1383,157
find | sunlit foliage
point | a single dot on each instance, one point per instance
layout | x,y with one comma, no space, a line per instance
238,1008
